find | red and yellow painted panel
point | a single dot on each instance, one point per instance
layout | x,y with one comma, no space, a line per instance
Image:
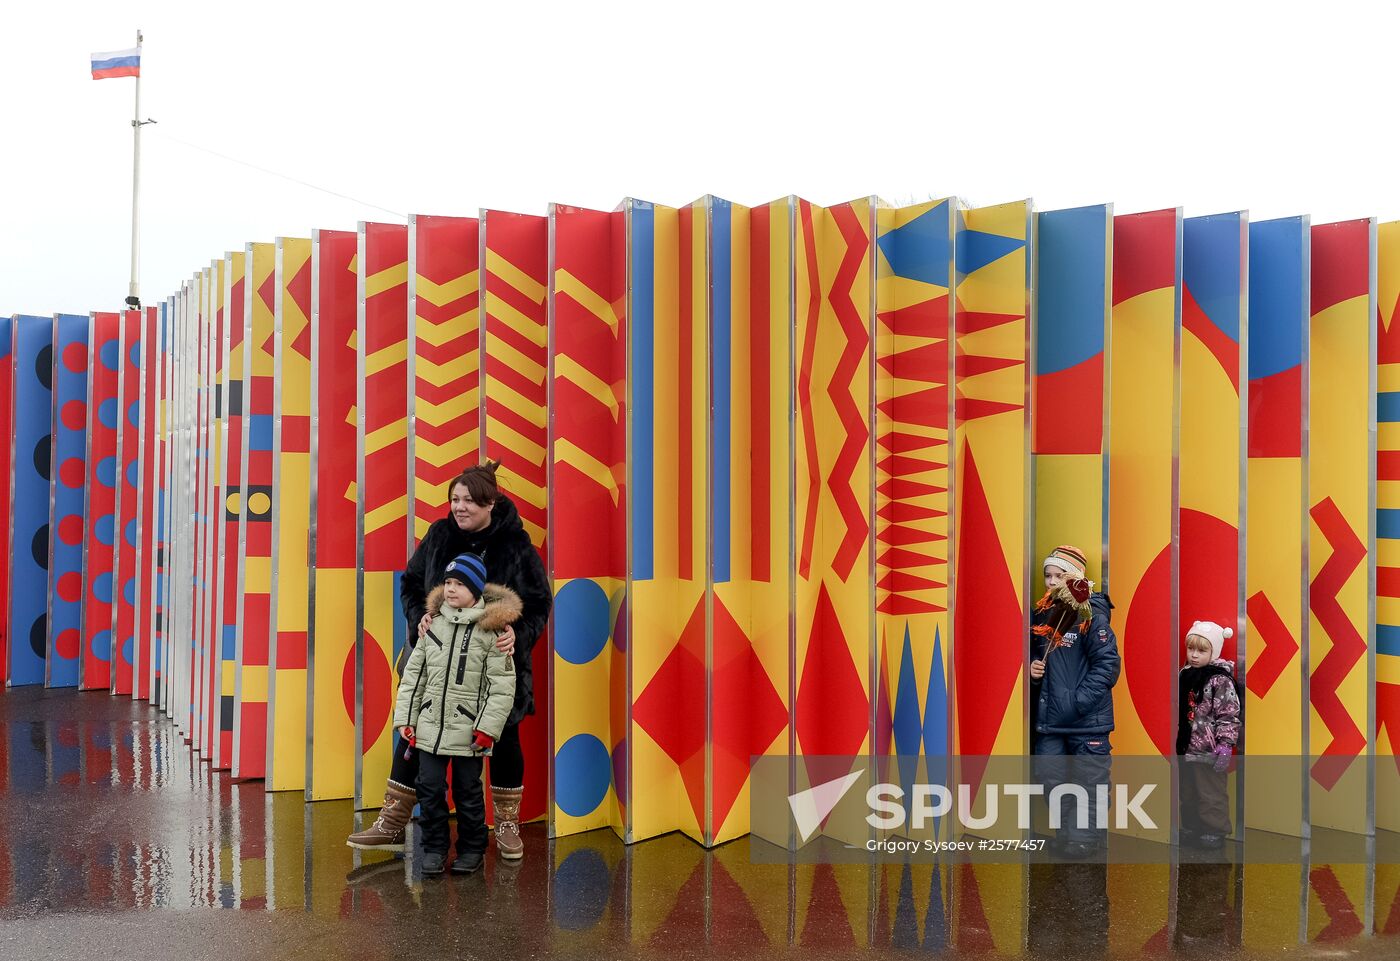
382,441
514,288
750,317
99,556
667,467
1214,270
589,503
1338,908
215,515
835,594
913,406
831,904
1145,930
230,498
1276,481
1387,900
1273,921
1387,731
291,444
1341,457
992,459
331,636
256,492
985,915
1074,297
1143,391
127,541
444,296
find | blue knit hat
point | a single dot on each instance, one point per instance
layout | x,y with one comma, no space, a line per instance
470,570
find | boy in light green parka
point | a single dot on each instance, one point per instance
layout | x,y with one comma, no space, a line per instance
454,699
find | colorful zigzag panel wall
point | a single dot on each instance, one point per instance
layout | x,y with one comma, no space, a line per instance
791,470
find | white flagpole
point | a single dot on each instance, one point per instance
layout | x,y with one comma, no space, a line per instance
133,299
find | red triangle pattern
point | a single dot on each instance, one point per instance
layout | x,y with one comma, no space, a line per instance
671,709
748,712
832,705
992,611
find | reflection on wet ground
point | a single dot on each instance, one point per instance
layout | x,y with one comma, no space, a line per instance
108,825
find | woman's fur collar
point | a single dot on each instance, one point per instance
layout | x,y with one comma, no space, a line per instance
503,606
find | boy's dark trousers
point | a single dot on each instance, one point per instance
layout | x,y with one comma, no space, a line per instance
472,834
1080,759
507,760
1205,797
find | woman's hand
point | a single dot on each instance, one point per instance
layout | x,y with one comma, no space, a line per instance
505,643
423,626
1037,670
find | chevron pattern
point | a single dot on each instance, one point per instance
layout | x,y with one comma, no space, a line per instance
383,426
588,547
447,359
516,363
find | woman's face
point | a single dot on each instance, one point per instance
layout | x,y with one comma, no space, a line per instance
469,515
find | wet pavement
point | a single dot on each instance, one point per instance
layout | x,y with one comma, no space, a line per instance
115,843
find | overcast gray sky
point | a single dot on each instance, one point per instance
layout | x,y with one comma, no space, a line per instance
445,108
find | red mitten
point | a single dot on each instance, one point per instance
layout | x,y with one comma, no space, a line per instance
484,741
1079,589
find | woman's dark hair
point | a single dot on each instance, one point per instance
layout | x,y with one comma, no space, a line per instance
480,482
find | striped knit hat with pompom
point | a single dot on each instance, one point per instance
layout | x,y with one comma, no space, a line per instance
1068,559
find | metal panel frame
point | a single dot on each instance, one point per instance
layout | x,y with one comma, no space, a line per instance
142,429
361,267
628,777
311,528
1305,573
10,528
551,261
411,375
53,525
1372,323
87,461
275,515
244,424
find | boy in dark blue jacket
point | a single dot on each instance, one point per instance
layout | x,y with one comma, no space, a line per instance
1074,665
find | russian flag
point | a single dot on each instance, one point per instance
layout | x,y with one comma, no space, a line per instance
116,63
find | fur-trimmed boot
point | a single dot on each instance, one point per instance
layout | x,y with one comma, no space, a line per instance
506,804
387,831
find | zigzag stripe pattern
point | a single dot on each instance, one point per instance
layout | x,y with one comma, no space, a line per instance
447,359
844,388
517,362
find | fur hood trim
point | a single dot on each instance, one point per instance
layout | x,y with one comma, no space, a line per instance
501,605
